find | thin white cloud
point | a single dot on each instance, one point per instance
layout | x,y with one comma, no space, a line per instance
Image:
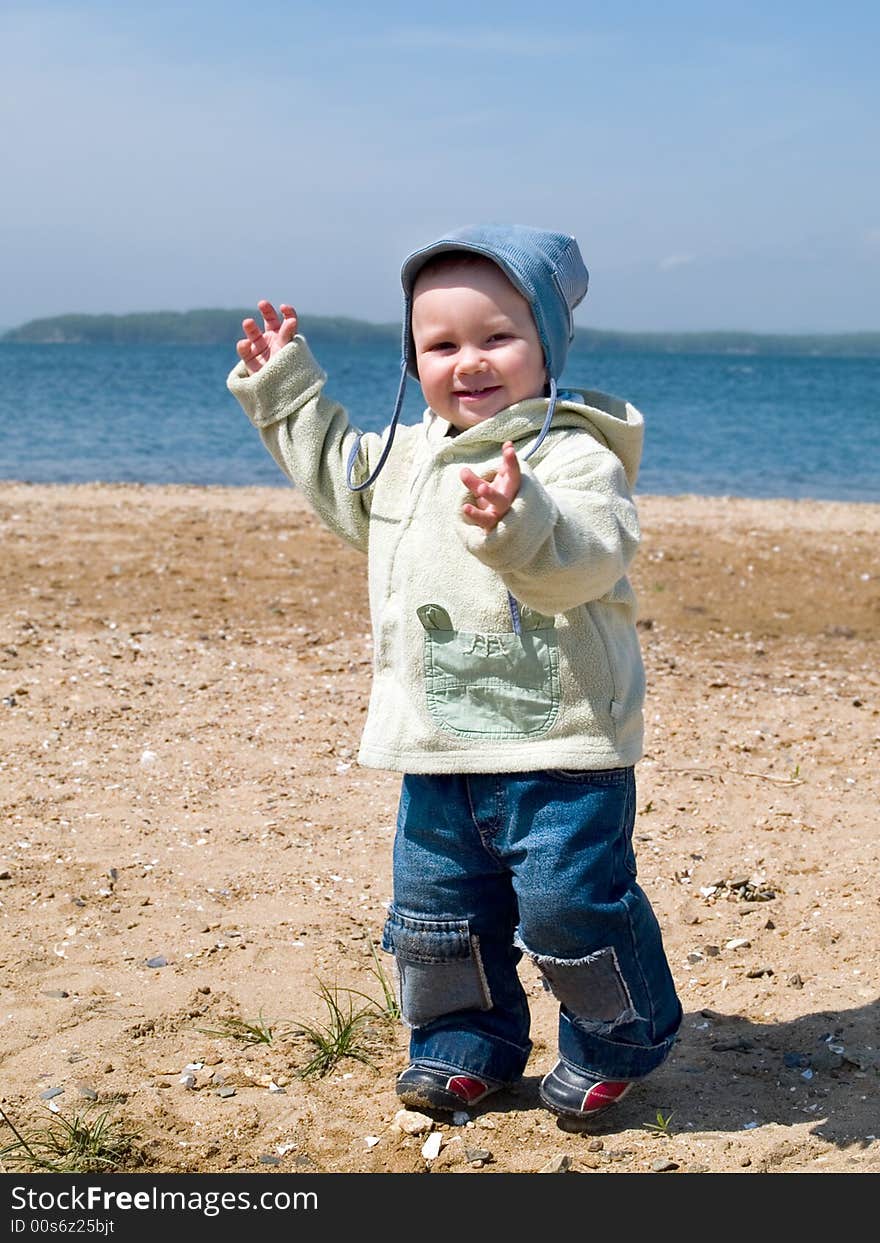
670,262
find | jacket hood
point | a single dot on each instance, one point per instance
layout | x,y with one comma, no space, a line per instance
615,423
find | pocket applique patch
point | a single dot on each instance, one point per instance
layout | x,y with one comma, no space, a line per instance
501,686
439,967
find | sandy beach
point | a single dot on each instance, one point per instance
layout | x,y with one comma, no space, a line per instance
189,849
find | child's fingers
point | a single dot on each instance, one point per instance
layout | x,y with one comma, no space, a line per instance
270,315
480,485
259,344
487,496
288,328
485,518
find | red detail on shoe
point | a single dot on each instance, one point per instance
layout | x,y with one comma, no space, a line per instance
467,1088
602,1095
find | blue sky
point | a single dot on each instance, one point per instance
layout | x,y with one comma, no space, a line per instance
718,163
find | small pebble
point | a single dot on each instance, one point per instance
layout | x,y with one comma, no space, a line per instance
50,1093
266,1158
460,1118
432,1145
412,1123
55,992
224,1092
158,961
556,1165
87,1093
661,1165
371,1140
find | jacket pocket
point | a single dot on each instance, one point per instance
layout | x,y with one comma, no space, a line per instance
500,686
439,967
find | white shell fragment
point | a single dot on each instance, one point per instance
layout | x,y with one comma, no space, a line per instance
432,1145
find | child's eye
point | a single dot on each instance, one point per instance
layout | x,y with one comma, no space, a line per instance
500,336
442,345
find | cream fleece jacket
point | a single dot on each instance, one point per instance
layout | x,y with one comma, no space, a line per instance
455,688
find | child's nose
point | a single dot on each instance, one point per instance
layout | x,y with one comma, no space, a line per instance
470,361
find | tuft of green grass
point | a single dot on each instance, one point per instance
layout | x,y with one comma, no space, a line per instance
661,1126
344,1034
347,1031
390,1010
89,1142
259,1032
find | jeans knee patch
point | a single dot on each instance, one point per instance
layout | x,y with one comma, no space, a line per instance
439,967
592,988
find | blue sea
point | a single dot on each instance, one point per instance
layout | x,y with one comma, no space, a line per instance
723,425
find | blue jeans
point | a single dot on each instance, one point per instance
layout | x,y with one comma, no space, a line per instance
489,867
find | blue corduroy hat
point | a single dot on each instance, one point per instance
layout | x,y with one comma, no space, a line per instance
544,266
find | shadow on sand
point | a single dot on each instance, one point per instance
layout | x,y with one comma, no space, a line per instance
729,1073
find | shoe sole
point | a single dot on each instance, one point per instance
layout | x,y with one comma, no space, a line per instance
424,1096
426,1099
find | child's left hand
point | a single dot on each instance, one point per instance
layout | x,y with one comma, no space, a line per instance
494,492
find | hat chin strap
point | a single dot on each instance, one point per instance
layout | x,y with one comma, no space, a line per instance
392,428
548,419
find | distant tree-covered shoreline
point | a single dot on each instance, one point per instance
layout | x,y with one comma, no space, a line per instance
217,326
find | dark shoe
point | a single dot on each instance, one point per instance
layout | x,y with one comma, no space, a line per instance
577,1096
424,1087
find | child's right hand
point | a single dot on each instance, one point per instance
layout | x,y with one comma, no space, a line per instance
258,345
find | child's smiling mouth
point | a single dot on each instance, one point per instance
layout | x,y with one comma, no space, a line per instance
475,394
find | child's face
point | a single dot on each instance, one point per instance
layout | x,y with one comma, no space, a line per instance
477,346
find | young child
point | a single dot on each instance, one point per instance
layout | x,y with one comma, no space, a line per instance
507,680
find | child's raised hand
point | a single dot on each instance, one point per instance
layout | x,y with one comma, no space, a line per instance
258,345
493,493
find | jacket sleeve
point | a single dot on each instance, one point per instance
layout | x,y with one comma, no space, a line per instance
567,540
308,435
